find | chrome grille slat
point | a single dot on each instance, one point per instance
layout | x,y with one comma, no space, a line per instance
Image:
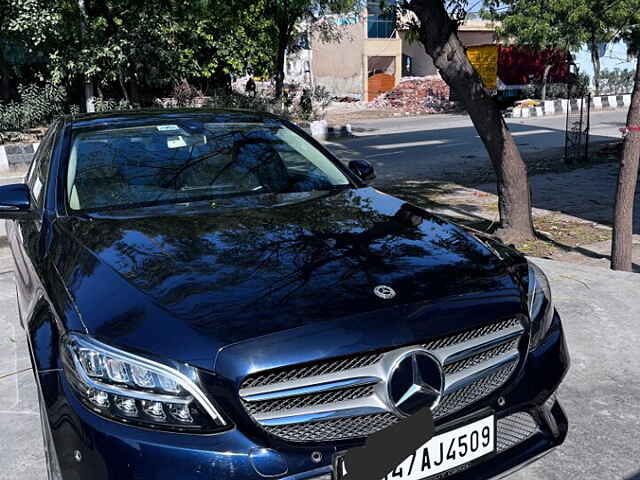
472,361
461,379
348,408
473,334
309,402
324,398
332,366
469,348
473,392
305,387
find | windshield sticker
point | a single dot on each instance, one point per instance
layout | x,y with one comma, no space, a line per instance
167,128
176,142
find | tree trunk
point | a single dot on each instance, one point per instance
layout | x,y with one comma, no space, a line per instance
135,90
621,253
283,41
438,33
123,87
545,78
595,59
5,79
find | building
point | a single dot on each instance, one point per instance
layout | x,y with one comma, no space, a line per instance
372,56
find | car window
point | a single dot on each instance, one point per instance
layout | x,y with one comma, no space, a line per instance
39,170
192,160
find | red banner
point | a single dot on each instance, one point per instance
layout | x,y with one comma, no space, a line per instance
521,65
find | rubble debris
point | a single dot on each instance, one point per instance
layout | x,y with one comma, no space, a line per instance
417,95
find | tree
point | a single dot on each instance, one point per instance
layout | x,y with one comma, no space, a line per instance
231,37
286,15
436,27
602,22
149,44
538,24
27,28
621,253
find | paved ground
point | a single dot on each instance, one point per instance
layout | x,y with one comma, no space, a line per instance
439,146
584,196
602,391
439,162
21,453
600,311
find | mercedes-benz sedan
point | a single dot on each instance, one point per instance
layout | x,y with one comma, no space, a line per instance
213,295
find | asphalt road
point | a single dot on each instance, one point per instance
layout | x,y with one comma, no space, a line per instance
439,146
601,394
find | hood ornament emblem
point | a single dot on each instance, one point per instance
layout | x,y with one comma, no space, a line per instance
384,292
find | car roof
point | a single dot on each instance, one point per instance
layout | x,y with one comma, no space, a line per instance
114,118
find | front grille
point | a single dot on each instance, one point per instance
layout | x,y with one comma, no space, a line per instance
473,392
347,397
515,429
332,430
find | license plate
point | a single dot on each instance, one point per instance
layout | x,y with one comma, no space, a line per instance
448,450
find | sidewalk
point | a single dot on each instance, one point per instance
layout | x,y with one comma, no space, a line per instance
573,210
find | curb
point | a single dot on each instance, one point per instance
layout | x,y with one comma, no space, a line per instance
554,107
321,130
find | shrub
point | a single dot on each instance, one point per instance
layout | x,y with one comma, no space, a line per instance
322,96
38,105
108,105
306,104
616,81
235,100
185,94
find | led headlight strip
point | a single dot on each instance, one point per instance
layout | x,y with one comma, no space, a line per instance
136,390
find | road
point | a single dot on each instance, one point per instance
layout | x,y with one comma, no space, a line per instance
438,147
600,394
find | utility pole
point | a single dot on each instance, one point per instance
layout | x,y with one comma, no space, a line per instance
89,93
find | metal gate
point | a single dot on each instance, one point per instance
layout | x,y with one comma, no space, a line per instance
578,110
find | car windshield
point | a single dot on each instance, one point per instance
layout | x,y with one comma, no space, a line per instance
187,160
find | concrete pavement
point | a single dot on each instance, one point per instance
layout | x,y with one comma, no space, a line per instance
21,455
600,309
442,147
601,394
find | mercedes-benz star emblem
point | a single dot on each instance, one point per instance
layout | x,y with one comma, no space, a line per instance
416,382
384,292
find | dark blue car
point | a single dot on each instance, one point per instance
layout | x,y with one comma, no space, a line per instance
212,295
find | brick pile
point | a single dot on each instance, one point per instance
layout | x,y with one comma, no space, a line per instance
417,95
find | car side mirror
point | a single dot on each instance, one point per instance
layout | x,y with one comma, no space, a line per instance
362,169
15,202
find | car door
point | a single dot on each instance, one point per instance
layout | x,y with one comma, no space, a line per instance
25,235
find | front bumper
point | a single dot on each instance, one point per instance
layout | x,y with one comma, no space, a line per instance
109,450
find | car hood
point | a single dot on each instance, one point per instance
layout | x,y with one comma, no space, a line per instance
185,285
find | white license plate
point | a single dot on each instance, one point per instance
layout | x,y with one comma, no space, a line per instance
448,450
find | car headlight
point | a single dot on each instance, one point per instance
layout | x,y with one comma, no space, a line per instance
136,390
541,309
